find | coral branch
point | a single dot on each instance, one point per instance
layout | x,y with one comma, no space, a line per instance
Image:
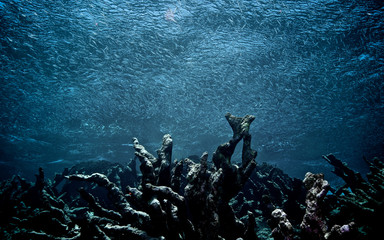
143,153
176,176
102,212
354,180
240,127
313,222
116,196
282,227
127,232
165,158
165,192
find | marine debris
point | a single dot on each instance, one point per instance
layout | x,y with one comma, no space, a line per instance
189,199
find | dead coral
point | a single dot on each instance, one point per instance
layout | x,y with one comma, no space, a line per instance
360,200
199,211
189,199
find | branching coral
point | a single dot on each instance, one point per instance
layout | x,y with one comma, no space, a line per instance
361,201
189,199
117,197
358,204
209,190
199,211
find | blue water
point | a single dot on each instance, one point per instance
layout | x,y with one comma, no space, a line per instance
79,79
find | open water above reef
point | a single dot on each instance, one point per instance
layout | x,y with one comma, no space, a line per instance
79,79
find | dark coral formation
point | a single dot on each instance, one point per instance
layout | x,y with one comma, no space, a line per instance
359,203
163,204
193,199
351,212
282,228
33,211
313,224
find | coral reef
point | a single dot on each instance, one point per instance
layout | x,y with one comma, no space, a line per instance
351,212
359,203
193,199
162,204
34,211
267,189
209,190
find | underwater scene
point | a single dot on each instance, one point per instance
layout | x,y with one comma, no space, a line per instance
191,119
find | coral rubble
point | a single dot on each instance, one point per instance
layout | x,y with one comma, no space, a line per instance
193,199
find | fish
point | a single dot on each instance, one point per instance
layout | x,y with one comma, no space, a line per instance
56,161
170,15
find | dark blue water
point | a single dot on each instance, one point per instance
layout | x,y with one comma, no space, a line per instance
79,79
